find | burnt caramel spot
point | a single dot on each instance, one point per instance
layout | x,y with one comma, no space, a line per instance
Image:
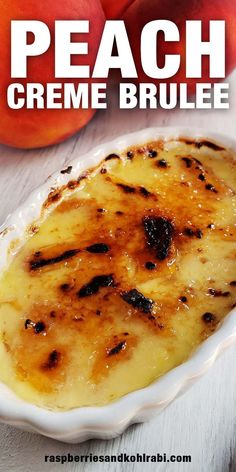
82,176
138,300
198,144
39,263
74,183
101,210
233,283
162,163
189,232
208,317
188,161
119,213
211,188
159,233
103,170
198,162
34,229
98,248
198,233
144,192
53,197
218,293
28,323
92,287
152,153
39,327
193,232
130,155
126,188
115,350
208,144
202,177
150,265
67,170
66,287
183,299
52,361
112,156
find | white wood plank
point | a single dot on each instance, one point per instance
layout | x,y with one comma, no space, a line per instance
202,423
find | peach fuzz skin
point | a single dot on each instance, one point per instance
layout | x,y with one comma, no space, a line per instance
141,12
115,8
37,128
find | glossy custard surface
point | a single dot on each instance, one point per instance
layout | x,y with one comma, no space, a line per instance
130,269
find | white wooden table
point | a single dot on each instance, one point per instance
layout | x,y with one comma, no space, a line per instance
202,423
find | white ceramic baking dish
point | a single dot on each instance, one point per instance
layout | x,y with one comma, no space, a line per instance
107,421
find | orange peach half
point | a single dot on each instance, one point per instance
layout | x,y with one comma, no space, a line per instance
141,12
30,128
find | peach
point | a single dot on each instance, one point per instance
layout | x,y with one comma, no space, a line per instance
141,12
29,128
115,8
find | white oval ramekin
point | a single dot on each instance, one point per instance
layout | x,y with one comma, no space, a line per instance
79,424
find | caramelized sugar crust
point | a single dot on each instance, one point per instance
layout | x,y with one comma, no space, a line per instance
132,269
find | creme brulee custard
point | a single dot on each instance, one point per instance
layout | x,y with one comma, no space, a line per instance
130,269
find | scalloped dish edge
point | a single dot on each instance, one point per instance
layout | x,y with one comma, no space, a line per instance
109,421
